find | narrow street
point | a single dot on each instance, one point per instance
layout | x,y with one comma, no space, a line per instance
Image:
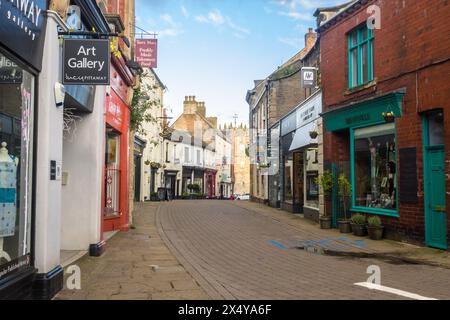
239,250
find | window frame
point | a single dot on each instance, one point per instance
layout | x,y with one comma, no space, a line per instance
358,46
374,211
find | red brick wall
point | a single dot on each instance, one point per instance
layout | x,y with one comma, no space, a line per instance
411,51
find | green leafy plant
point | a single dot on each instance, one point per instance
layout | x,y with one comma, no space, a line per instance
359,219
141,106
325,181
345,190
374,222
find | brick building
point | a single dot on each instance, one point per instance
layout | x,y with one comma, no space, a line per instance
270,100
399,168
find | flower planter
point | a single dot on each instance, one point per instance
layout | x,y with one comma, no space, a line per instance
375,233
325,223
359,230
345,227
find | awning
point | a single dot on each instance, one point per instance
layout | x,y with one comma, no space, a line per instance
302,137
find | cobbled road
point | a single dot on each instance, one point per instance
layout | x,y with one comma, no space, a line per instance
237,253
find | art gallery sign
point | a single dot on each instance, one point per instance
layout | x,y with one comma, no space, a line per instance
86,62
22,29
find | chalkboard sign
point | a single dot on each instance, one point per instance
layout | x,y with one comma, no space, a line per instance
408,176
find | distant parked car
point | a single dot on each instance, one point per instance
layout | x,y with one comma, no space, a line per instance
243,197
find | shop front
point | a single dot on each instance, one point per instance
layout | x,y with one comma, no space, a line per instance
210,183
372,156
116,190
300,149
21,55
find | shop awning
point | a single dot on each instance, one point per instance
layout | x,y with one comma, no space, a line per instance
302,137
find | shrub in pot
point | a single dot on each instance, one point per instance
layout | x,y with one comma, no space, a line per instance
375,228
325,181
359,225
345,191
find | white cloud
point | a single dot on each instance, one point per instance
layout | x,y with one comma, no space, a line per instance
172,28
216,18
297,15
292,42
184,11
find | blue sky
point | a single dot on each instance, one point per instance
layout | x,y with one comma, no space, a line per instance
214,49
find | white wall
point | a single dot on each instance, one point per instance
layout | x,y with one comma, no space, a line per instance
83,161
49,145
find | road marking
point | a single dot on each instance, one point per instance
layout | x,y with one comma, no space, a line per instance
279,245
372,286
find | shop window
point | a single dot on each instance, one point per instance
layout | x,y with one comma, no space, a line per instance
289,179
375,168
312,188
360,55
16,148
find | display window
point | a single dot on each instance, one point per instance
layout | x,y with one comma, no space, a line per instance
375,168
289,179
17,89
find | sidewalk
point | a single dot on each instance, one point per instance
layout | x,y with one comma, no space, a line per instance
333,242
136,266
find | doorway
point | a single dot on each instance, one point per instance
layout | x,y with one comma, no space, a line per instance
434,171
112,177
137,177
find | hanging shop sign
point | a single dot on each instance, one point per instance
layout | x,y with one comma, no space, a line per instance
10,73
22,26
147,53
309,77
86,62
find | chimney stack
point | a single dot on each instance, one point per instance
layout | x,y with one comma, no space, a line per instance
310,39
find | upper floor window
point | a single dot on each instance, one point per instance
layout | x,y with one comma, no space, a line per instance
360,56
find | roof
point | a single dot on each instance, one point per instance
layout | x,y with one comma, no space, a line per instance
341,11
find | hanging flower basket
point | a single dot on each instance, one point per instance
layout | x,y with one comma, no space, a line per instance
389,117
155,165
313,134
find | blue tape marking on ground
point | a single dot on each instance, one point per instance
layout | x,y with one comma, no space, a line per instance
360,243
277,244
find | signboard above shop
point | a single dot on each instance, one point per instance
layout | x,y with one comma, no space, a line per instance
147,53
86,62
22,28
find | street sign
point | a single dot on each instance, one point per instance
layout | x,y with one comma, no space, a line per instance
86,62
309,77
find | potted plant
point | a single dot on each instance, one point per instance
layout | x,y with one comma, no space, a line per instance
325,181
345,191
389,117
359,225
375,228
154,197
313,134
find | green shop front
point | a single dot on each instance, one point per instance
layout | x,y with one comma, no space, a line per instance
364,149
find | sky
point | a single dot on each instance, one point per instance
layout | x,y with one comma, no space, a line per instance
215,49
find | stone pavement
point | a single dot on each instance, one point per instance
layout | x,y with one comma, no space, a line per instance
136,266
246,251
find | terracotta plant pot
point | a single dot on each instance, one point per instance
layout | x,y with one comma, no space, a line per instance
325,223
345,227
359,230
375,233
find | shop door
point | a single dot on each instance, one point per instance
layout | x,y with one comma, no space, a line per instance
137,177
435,195
436,215
112,189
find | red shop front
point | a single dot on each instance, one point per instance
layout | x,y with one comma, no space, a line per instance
116,187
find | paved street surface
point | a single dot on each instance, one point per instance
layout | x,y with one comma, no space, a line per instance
241,250
136,266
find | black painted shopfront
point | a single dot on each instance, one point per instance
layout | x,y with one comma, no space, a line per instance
22,32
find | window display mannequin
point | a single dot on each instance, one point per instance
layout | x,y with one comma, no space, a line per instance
8,191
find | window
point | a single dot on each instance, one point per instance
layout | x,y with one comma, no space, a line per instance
16,171
375,168
167,152
199,158
186,155
360,55
289,179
